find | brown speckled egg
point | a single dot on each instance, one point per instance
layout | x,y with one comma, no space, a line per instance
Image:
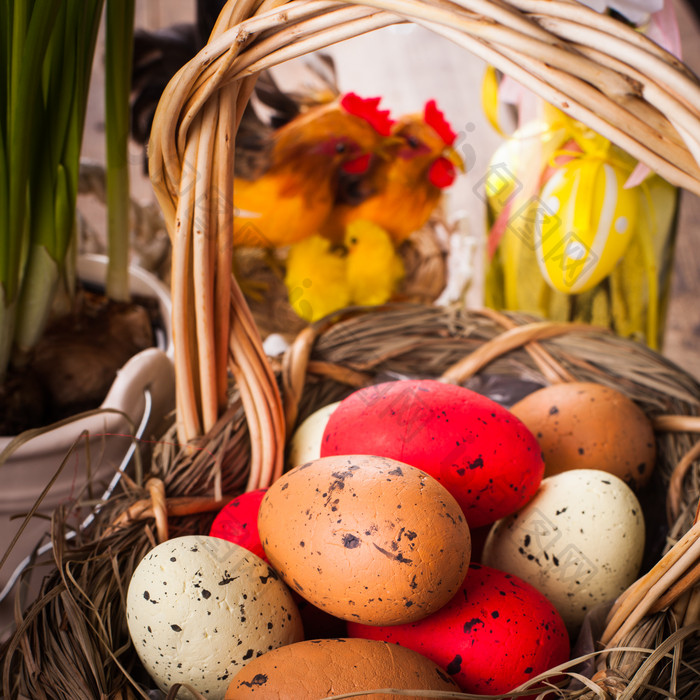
200,608
366,538
584,425
324,667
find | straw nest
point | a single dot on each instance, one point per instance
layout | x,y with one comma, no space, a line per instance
71,641
424,256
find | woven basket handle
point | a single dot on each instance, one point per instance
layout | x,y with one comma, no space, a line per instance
591,66
517,336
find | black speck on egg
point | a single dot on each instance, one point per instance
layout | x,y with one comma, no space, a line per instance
470,624
455,666
442,675
351,541
476,464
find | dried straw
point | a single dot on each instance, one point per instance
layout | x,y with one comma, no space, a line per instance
72,640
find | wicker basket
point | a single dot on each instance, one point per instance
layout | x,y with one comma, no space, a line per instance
72,641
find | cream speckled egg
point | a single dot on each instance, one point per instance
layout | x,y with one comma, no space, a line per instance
305,444
200,608
579,541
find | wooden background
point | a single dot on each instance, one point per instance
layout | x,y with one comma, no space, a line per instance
407,66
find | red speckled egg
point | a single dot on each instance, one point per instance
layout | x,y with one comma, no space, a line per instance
237,522
479,451
496,633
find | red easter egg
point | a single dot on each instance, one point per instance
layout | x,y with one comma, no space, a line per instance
479,451
237,522
497,632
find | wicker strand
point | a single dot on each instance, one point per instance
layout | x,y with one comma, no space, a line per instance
674,497
504,343
159,506
639,598
294,365
679,588
552,370
203,266
576,12
692,611
343,375
178,507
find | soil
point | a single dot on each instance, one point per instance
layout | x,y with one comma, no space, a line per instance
76,361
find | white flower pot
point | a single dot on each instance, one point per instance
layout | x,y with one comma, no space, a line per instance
144,390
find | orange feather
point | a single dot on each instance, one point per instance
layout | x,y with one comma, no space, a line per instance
295,195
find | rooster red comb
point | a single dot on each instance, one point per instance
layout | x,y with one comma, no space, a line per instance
436,119
367,109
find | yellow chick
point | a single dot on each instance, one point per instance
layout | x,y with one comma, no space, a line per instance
315,278
373,267
321,279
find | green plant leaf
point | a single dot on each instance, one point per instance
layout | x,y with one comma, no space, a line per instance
30,37
47,47
37,295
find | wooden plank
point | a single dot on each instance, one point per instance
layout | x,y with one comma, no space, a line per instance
683,324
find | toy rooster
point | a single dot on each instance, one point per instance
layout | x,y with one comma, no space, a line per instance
401,192
295,194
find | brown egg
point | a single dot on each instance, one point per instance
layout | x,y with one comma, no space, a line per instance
584,425
319,668
366,538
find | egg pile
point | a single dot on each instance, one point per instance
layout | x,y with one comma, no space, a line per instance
422,537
